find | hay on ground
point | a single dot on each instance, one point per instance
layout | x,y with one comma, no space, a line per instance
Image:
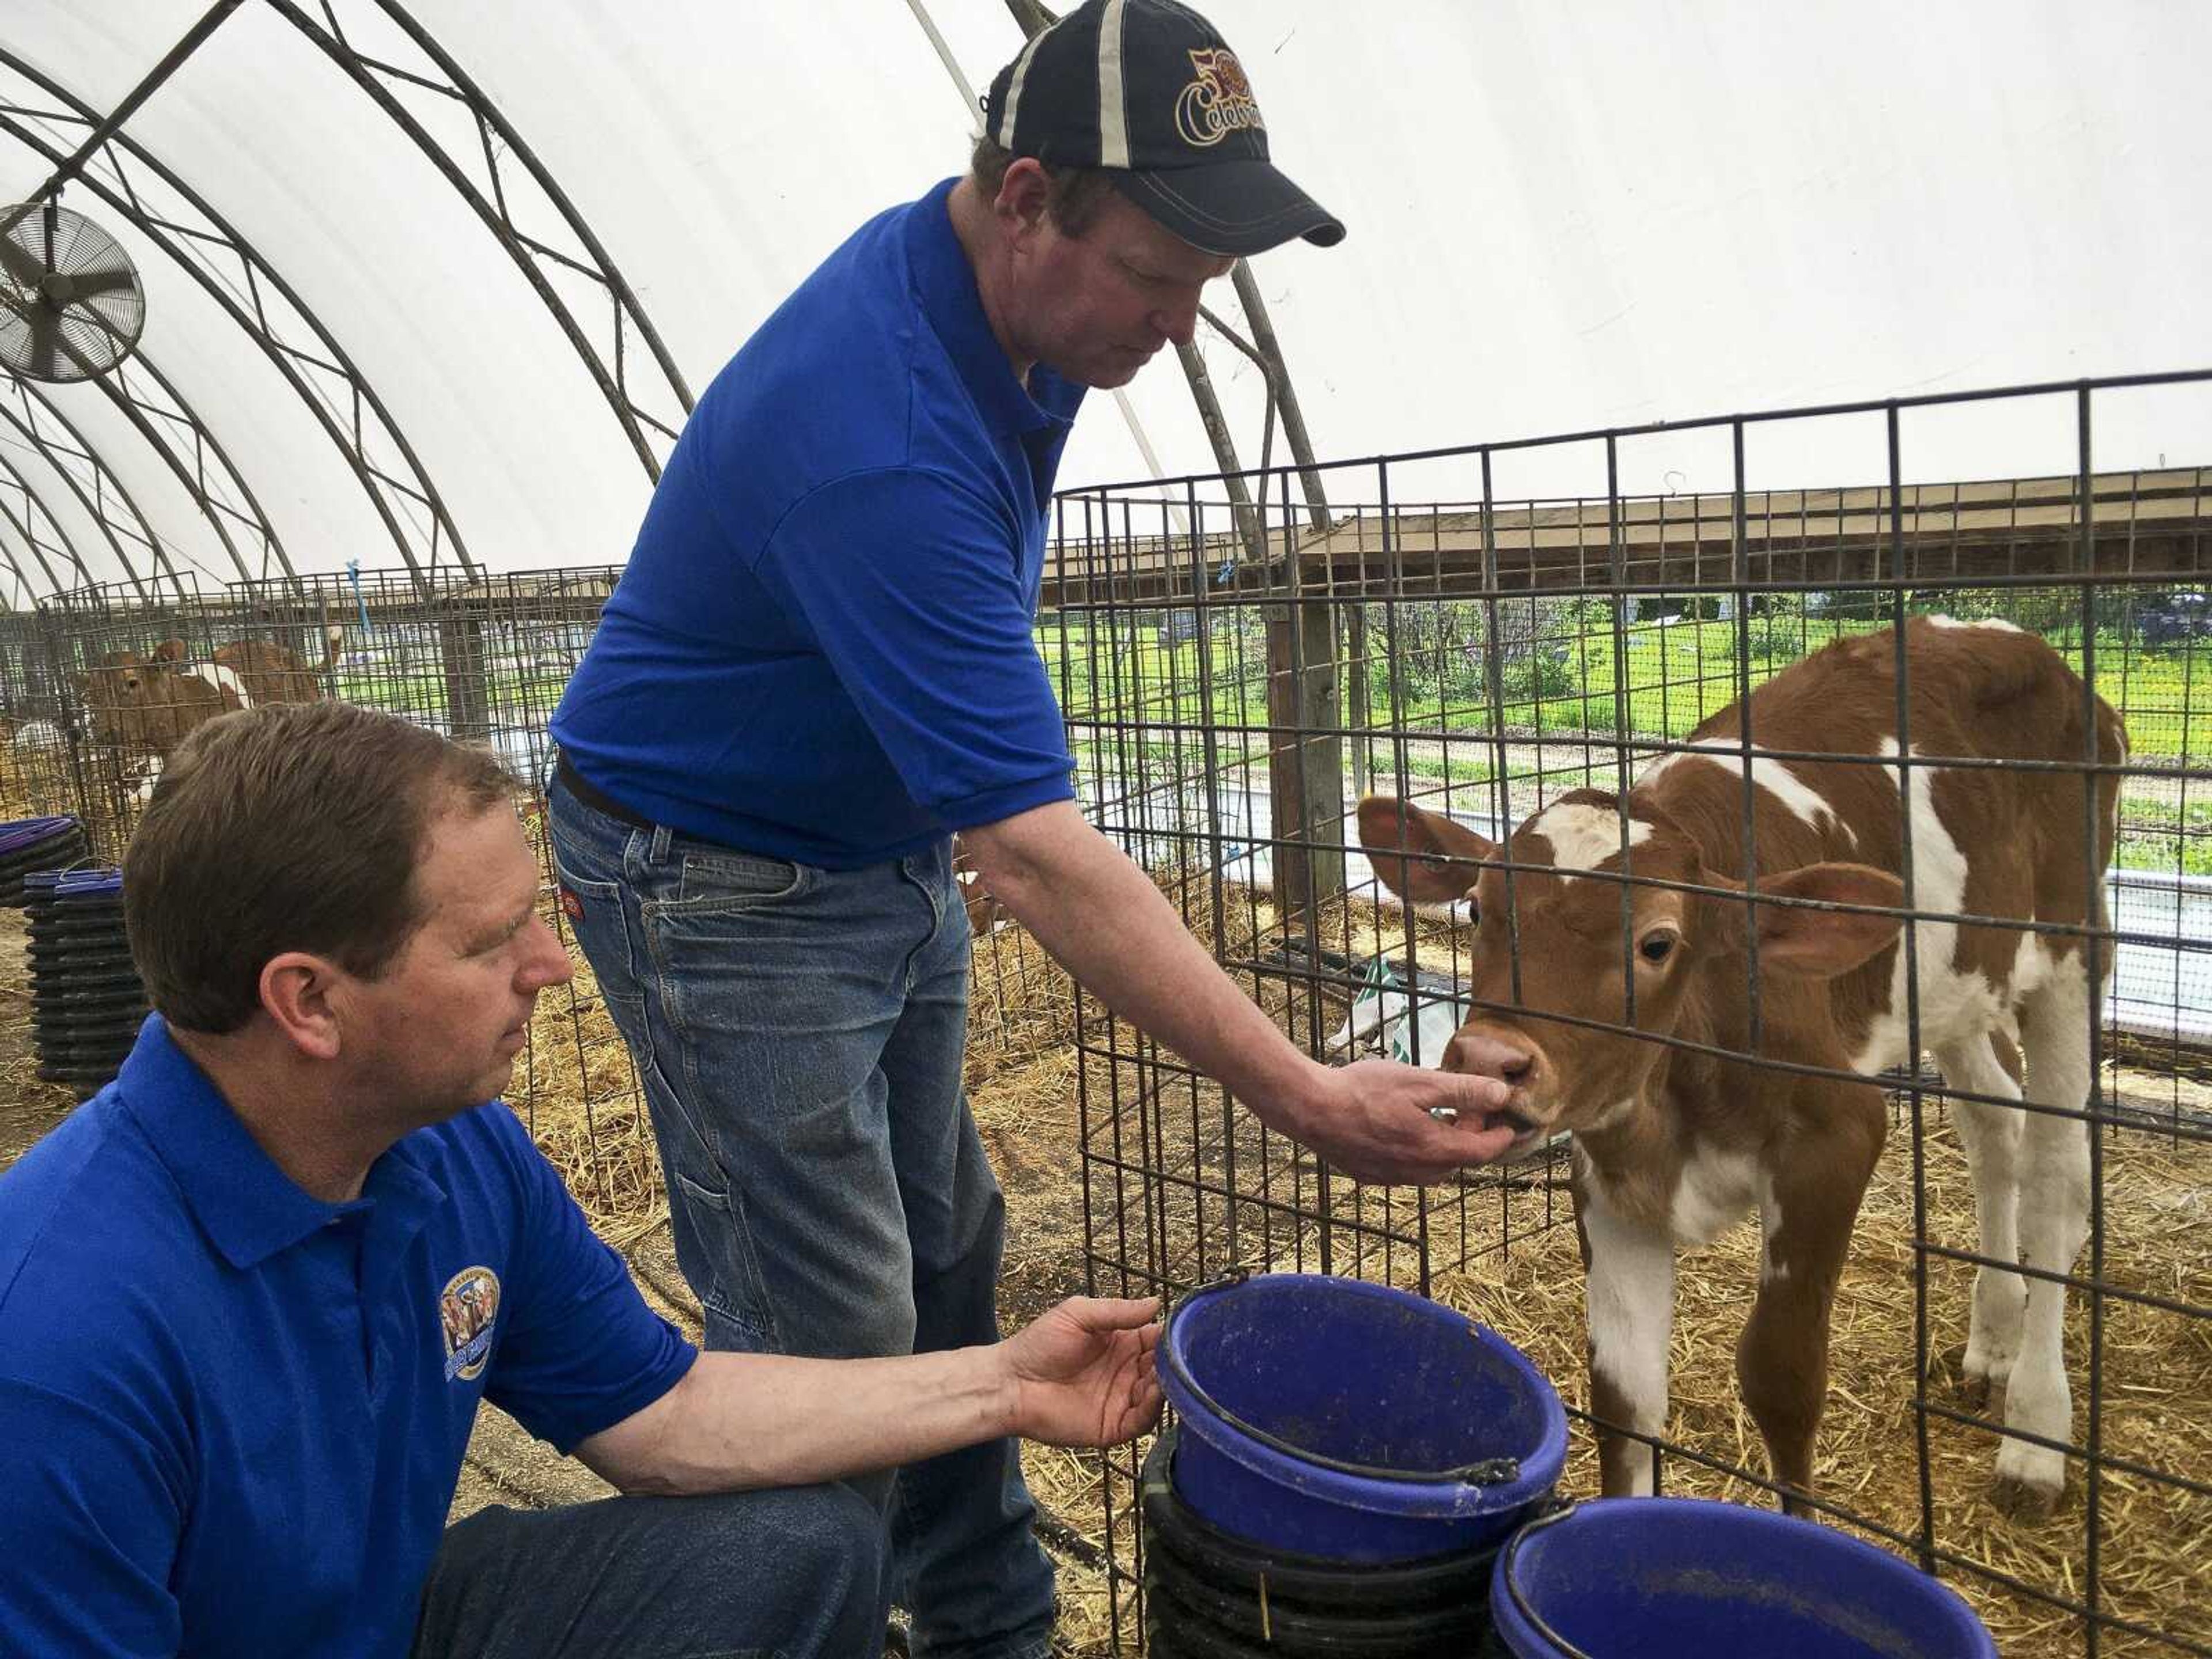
2157,1384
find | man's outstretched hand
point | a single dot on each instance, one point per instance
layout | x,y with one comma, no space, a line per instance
1376,1122
1081,1374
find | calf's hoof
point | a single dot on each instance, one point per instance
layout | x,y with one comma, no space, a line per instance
1973,1390
2021,1499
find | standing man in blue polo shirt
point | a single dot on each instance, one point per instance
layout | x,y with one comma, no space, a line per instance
818,666
251,1293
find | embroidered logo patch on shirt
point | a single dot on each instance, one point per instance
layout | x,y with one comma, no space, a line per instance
468,1308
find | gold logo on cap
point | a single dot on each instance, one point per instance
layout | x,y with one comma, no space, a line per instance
1217,103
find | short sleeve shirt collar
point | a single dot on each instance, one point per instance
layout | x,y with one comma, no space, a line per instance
946,284
248,1207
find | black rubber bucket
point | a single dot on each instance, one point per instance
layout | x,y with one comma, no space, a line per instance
1210,1595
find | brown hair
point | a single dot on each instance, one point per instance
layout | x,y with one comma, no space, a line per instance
287,827
1075,196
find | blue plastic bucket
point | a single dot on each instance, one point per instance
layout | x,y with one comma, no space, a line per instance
1353,1422
1665,1577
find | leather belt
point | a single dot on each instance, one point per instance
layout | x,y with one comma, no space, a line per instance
597,799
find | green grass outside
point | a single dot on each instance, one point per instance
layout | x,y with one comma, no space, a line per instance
424,694
2155,836
1675,676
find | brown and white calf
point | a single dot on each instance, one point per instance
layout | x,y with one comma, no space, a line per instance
146,706
1674,1144
265,671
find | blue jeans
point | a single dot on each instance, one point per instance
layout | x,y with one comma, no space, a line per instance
791,1574
799,1034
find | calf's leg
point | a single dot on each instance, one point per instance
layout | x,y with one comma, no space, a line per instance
1991,1135
1807,1208
2054,1220
1628,1296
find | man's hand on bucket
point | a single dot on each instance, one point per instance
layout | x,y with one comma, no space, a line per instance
1081,1374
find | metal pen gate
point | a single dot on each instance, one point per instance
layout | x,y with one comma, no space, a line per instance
1481,629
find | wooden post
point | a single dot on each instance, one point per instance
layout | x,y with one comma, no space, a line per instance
1305,788
468,688
1305,757
1362,699
1304,704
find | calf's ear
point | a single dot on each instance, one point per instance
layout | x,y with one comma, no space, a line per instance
1809,939
1408,846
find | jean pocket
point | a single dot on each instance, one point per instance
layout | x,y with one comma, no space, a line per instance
733,880
715,1199
600,921
715,1247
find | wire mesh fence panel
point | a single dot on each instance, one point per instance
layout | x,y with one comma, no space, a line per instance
1543,634
1929,751
101,686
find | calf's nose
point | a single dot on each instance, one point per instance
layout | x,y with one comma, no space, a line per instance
1481,1053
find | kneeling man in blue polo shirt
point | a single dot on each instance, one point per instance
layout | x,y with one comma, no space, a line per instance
251,1293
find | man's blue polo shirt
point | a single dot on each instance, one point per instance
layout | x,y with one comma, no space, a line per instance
821,648
231,1415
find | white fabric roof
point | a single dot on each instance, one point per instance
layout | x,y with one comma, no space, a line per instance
1563,216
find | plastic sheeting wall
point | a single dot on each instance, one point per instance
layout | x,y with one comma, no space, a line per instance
1562,217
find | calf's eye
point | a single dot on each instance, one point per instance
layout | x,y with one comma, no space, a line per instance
1655,947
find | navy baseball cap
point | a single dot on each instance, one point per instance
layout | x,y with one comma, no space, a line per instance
1148,90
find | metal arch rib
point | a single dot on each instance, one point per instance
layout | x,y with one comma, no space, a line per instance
26,526
625,298
157,424
628,305
140,412
527,253
344,423
16,522
115,383
77,490
26,591
70,461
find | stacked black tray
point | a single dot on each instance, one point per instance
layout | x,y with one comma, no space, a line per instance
1209,1596
87,1000
29,844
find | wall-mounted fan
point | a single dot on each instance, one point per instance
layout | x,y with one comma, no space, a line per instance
71,306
